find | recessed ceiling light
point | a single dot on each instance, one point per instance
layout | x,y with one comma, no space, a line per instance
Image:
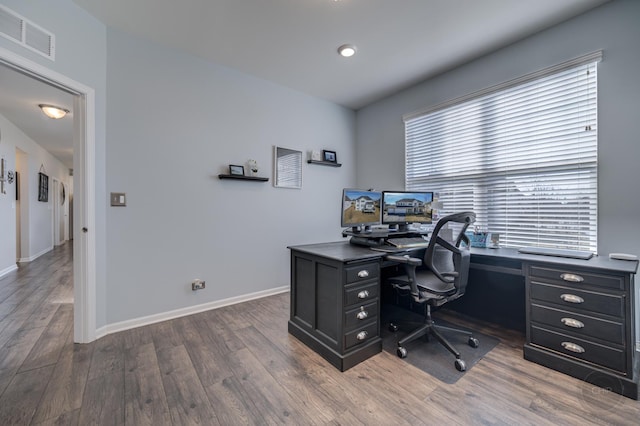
52,111
347,50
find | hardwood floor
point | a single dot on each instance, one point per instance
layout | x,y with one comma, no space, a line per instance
238,365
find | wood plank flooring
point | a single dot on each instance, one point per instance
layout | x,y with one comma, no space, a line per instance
238,365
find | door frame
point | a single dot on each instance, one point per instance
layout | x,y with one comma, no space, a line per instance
84,214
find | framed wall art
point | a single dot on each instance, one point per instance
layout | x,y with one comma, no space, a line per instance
287,168
43,187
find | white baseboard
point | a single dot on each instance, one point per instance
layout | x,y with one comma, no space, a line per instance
7,270
35,256
190,310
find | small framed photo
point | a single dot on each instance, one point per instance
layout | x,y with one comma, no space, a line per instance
236,170
329,156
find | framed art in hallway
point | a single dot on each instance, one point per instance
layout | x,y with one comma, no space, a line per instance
43,187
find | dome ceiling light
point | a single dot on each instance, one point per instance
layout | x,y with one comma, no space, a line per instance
53,111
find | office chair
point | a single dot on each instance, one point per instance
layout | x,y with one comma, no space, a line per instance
443,280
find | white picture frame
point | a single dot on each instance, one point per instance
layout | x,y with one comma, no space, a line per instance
287,168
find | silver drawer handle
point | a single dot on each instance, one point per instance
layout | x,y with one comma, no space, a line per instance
362,335
573,347
573,278
363,294
363,274
571,298
362,314
570,322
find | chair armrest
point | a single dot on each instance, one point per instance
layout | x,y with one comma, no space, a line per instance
405,260
450,274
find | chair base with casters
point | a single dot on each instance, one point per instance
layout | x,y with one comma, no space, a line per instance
442,279
430,329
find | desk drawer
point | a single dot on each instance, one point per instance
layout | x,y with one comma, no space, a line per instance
584,350
360,315
577,278
582,325
360,293
361,334
362,272
579,300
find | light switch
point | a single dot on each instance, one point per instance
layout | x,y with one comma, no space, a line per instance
118,199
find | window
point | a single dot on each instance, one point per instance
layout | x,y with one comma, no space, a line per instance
522,155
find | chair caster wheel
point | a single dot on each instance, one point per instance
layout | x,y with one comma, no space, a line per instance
473,342
392,327
402,352
460,365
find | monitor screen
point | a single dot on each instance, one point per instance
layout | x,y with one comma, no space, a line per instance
405,207
360,209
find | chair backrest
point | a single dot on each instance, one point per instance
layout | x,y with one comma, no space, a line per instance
444,256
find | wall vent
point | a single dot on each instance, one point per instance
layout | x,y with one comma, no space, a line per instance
27,34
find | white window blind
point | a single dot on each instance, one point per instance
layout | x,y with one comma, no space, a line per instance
522,155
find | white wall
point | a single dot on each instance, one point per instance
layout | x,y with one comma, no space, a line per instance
174,123
7,204
37,239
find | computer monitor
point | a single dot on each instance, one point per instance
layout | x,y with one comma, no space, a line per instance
360,209
401,208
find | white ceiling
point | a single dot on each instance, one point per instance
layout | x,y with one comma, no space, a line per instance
294,42
20,96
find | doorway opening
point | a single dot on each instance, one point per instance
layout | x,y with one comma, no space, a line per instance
84,215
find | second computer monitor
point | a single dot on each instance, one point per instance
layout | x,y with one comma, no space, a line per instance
401,208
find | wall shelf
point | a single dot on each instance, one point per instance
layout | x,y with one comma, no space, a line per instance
241,177
324,163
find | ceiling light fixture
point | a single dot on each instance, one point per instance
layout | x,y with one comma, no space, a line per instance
347,50
52,111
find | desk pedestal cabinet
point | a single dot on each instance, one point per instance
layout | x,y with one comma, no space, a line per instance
335,303
580,321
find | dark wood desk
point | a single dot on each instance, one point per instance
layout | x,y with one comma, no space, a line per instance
578,315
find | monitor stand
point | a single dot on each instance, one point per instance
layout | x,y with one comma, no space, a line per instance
362,229
399,227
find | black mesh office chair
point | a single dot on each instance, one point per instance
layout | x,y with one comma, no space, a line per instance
444,279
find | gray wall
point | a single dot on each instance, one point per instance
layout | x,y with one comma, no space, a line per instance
174,123
614,28
168,123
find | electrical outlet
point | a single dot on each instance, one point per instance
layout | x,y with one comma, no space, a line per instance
197,284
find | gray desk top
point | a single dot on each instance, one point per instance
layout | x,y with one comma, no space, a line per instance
342,251
345,252
596,262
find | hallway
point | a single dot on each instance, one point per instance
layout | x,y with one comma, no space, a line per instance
36,326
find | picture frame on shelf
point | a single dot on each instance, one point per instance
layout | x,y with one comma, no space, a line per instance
236,170
329,156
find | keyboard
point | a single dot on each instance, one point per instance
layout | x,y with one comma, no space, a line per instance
407,242
573,254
